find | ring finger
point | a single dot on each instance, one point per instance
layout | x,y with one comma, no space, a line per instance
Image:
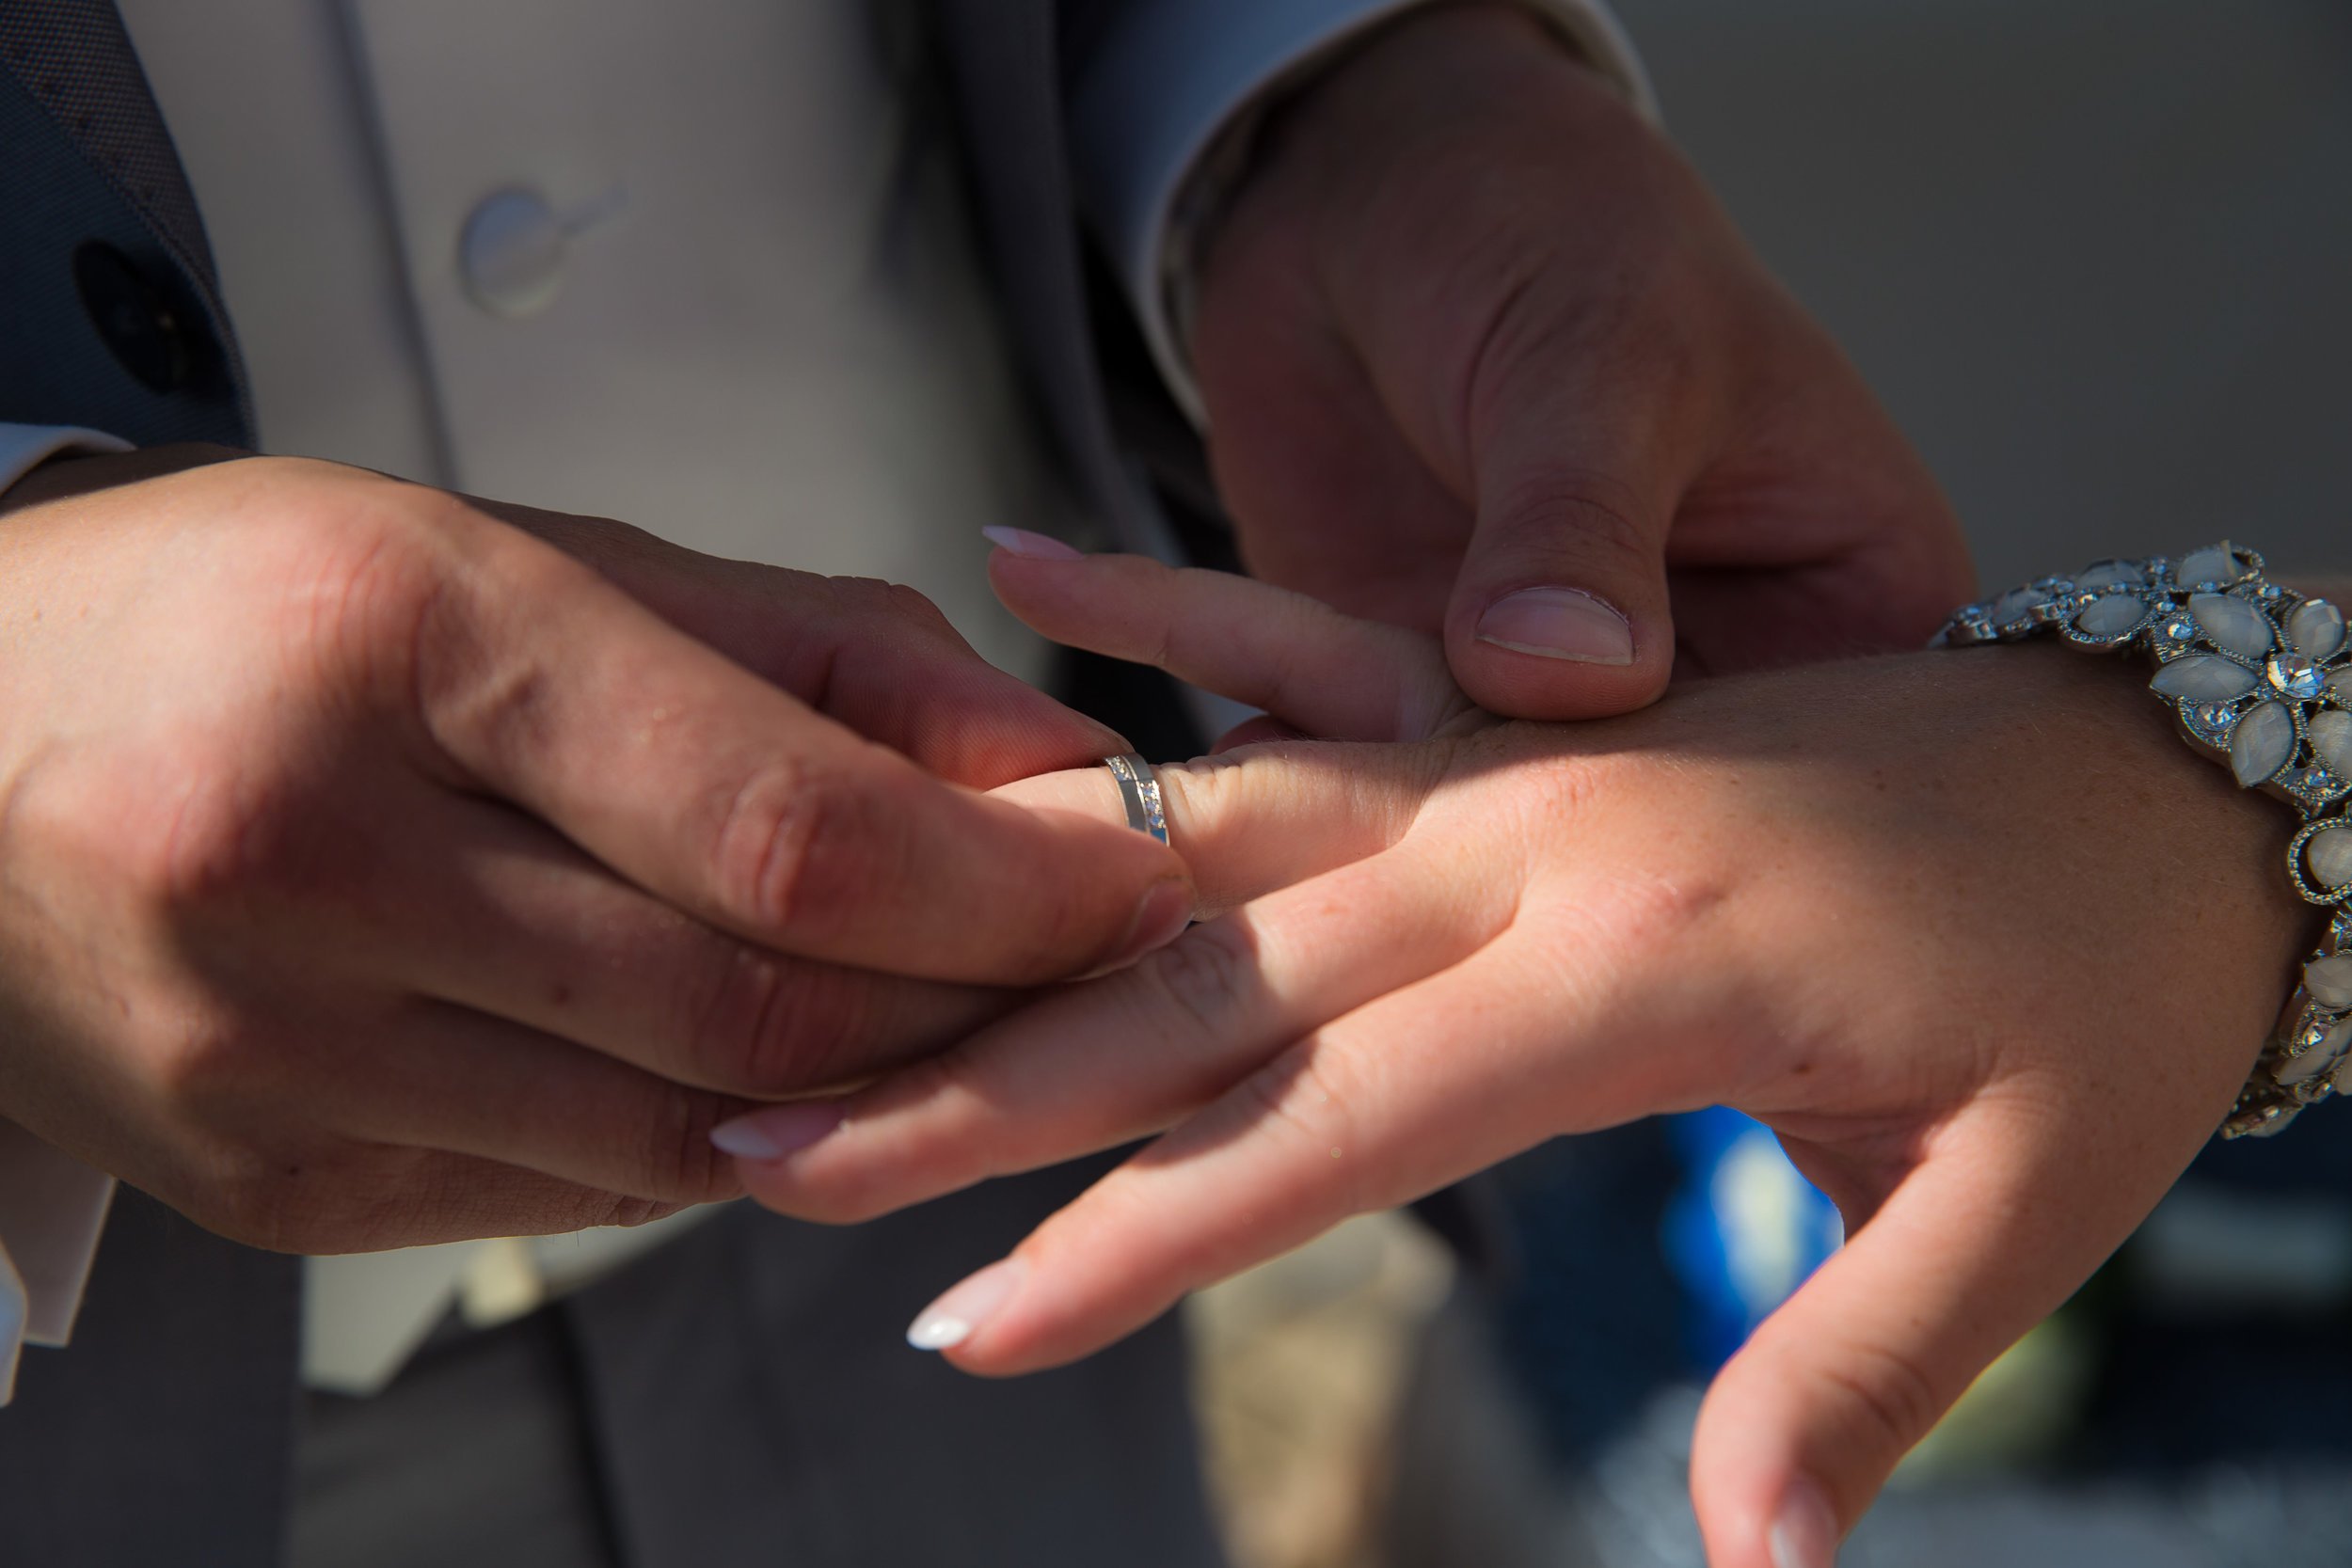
1102,1064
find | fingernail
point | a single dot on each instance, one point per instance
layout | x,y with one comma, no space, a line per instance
778,1132
1558,623
966,1309
1164,915
1037,546
1805,1534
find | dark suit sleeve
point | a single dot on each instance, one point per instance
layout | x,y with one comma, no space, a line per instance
109,313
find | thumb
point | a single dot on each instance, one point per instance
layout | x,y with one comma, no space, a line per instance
876,656
1561,611
1577,461
1802,1427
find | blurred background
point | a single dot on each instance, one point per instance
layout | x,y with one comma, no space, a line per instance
2095,254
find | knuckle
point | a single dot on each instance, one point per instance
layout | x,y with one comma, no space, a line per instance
799,852
874,598
362,576
167,834
763,1024
1307,1094
726,1007
1641,319
628,1213
224,840
1601,517
675,1160
1207,794
1888,1397
1208,978
371,605
356,569
913,606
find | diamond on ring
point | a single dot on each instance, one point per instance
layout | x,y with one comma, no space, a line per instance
1140,789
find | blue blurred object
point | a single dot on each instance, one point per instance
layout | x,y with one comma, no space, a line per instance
1743,1229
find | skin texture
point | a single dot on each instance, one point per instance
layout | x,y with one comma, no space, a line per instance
378,870
372,872
1906,911
1472,328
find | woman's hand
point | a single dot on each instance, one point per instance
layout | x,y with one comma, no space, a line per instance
1972,932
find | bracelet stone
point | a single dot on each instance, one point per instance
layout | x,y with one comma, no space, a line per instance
2261,679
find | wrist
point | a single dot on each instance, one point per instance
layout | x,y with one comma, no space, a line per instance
2253,675
1449,72
82,473
1468,119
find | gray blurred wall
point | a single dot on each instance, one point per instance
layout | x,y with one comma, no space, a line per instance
2096,255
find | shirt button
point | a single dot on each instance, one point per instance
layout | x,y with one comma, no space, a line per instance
511,253
140,326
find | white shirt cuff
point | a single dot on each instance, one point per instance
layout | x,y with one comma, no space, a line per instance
51,1210
1173,74
26,447
52,1206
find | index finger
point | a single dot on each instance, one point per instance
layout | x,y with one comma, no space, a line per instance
713,789
1330,674
878,657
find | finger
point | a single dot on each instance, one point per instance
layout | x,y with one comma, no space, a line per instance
1804,1424
1096,1066
1559,609
909,680
1328,673
1384,1105
715,791
1261,818
424,1197
523,927
878,656
449,1079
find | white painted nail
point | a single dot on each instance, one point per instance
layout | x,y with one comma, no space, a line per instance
779,1133
1037,546
966,1309
1805,1534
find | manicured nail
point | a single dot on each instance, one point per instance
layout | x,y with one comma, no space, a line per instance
1805,1534
1558,623
965,1310
1037,546
1165,915
778,1132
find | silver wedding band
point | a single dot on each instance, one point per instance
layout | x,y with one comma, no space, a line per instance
1139,788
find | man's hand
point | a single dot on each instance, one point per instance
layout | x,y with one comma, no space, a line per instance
373,873
1480,354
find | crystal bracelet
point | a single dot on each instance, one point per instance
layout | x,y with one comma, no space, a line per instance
2261,678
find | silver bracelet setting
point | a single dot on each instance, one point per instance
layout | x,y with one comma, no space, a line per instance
2260,678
